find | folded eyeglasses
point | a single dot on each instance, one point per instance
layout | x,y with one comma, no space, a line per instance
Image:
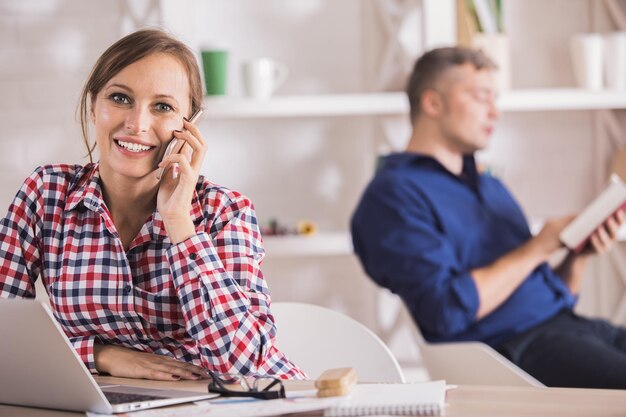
261,387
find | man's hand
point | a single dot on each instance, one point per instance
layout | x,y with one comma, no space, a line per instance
605,236
128,363
573,267
548,238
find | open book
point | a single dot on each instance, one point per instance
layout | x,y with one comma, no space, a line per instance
426,399
576,235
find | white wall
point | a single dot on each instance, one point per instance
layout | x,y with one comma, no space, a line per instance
47,48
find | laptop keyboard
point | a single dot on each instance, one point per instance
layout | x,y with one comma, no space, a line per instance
123,398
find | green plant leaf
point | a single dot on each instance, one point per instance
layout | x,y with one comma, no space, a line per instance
472,11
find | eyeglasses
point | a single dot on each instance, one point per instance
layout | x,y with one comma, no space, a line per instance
261,387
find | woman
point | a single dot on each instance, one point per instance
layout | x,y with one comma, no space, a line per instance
149,278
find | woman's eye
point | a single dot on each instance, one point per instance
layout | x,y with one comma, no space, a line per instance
119,98
163,107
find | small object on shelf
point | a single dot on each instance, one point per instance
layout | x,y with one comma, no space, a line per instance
275,228
306,228
480,25
262,77
587,50
215,66
615,60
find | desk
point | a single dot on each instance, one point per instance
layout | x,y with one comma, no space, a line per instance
464,401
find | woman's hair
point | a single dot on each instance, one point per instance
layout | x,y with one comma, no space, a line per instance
433,64
128,50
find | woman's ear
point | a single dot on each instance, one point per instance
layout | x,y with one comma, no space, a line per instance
92,113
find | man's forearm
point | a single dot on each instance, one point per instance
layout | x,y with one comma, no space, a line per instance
497,281
572,269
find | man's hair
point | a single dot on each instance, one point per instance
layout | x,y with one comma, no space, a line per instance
433,64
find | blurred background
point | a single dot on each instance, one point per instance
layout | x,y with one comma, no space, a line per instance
306,153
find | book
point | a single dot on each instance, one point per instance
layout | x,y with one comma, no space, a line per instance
576,234
425,399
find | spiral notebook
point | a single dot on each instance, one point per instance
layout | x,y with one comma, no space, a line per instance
425,399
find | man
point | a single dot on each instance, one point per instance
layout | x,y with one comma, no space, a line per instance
455,246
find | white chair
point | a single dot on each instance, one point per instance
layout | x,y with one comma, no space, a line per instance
316,338
469,363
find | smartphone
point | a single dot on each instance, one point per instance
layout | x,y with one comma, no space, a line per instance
175,145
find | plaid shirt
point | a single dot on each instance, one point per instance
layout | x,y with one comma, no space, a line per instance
203,300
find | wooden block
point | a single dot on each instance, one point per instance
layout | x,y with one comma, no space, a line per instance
335,392
336,378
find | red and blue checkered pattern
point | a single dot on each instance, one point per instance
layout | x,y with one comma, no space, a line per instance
203,300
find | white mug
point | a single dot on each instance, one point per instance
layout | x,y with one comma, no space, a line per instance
262,77
588,59
615,60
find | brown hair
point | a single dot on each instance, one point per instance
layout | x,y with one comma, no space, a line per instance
430,66
128,50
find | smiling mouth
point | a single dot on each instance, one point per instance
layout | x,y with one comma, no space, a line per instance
132,147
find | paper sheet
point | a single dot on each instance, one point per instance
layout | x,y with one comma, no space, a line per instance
237,407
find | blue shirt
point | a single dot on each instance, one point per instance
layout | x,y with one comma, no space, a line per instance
419,230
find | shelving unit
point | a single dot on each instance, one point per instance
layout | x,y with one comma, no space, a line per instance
395,103
321,244
385,104
340,243
566,99
308,106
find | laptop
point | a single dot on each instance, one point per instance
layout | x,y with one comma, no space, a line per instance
40,368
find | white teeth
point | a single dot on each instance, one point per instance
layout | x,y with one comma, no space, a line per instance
133,147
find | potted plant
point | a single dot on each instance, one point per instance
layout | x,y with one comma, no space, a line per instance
480,25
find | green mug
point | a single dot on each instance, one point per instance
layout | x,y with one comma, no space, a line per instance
215,65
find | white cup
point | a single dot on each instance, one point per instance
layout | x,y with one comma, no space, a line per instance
262,77
615,60
588,60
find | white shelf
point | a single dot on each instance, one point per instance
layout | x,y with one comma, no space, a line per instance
561,99
390,104
308,106
321,244
340,243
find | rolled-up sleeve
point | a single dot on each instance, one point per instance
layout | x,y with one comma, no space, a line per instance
20,234
225,299
405,251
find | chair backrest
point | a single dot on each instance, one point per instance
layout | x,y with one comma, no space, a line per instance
470,363
316,338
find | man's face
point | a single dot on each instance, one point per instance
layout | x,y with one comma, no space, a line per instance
469,112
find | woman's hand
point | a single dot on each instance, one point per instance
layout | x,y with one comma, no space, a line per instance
128,363
175,194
